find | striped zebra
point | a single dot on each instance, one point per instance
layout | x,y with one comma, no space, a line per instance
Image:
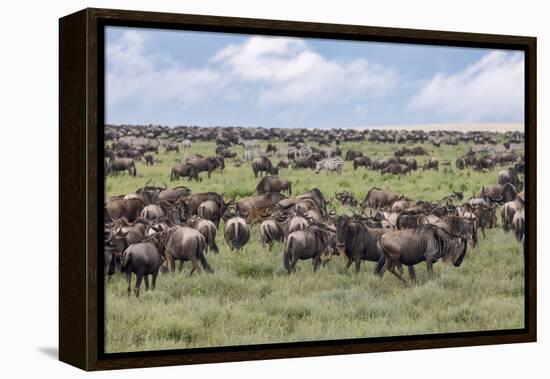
330,164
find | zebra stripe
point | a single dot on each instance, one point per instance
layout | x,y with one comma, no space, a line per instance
330,164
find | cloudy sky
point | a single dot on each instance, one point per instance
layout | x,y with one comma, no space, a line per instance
199,78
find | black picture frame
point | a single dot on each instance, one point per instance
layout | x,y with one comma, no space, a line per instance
81,110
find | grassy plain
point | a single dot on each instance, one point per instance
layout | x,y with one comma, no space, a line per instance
251,300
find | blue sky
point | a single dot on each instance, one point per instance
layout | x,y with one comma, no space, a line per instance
200,78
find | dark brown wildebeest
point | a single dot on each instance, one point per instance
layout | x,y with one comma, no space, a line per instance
184,169
377,198
149,160
508,211
263,164
207,229
173,147
411,162
270,231
271,184
431,164
400,205
121,164
236,233
460,163
361,161
185,244
426,243
282,164
271,148
294,224
130,209
311,243
142,259
461,226
509,176
358,242
352,154
518,225
304,162
396,169
267,200
208,164
500,193
407,220
210,210
485,163
486,217
193,201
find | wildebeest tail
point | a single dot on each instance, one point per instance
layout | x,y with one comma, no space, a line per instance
290,188
172,174
212,241
505,222
126,258
134,167
381,261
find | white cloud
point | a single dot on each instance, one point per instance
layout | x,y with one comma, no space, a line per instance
491,89
134,73
287,71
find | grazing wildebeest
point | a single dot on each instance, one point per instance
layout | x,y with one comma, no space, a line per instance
271,184
396,169
142,259
152,212
507,213
431,164
485,163
361,161
270,231
130,209
236,233
304,162
208,164
509,176
271,148
185,244
193,201
172,147
500,193
183,170
311,243
121,164
173,194
352,154
377,198
460,163
400,205
426,243
263,164
357,242
207,229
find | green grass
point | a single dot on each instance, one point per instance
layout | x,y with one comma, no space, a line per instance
251,300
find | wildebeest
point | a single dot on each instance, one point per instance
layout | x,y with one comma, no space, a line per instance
263,164
271,184
152,212
499,193
184,169
172,147
311,243
193,201
426,243
509,176
173,194
270,231
396,169
236,233
377,198
460,163
208,164
130,209
304,162
357,242
142,259
185,244
262,201
507,213
352,154
207,229
210,210
149,159
431,164
361,161
121,164
518,225
294,224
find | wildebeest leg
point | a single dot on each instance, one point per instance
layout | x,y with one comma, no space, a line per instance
483,231
316,261
396,273
357,266
154,280
350,261
138,284
195,266
380,265
171,263
129,279
181,266
412,273
293,263
429,267
146,278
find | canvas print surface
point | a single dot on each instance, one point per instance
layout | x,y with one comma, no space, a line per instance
264,189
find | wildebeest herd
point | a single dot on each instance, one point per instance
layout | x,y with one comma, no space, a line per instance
149,229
